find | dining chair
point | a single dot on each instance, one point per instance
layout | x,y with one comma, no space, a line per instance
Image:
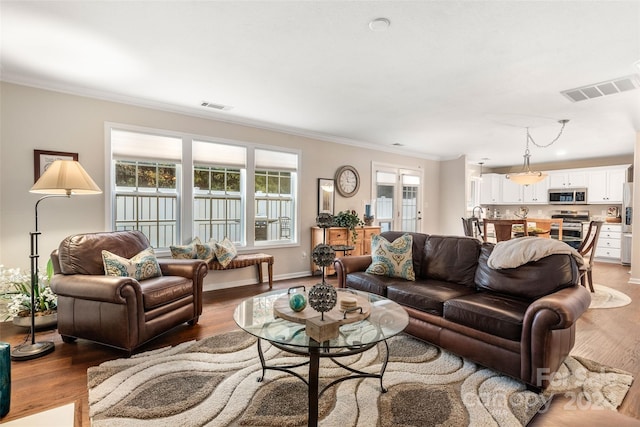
588,250
468,225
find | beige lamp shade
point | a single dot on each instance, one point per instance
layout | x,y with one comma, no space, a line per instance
65,177
527,178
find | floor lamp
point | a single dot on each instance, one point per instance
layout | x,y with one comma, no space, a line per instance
61,179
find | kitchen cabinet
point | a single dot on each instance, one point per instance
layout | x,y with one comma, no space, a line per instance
605,185
490,188
516,194
537,193
568,178
610,242
511,192
342,236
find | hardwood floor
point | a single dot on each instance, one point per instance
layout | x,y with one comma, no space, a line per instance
608,336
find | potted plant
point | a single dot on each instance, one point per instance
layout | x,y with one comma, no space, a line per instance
15,286
350,220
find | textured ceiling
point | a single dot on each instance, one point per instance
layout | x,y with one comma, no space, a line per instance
446,79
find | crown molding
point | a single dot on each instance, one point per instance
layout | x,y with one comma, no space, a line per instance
209,115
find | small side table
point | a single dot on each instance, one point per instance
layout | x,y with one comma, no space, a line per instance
342,248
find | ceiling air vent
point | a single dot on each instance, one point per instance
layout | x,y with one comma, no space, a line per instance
609,87
216,106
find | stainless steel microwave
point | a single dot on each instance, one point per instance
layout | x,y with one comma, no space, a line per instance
568,196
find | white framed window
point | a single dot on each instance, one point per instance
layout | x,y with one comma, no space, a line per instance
217,203
145,188
274,183
219,183
175,187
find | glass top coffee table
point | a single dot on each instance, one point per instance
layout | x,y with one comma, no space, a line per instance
384,320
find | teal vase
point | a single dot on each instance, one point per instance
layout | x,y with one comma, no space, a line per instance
5,378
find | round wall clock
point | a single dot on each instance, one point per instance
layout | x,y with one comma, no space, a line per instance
347,181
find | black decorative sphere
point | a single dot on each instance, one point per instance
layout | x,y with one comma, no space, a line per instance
323,255
324,220
322,297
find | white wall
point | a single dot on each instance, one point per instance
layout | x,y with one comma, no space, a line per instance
38,119
453,204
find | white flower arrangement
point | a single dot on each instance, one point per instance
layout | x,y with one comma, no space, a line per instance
16,287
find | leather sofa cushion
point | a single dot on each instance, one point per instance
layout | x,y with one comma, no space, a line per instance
452,259
368,282
159,291
82,253
494,314
427,295
530,281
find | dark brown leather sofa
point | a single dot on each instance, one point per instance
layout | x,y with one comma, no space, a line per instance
519,321
121,311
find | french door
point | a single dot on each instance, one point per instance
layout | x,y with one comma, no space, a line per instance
397,195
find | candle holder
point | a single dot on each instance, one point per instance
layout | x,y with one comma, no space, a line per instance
368,220
368,216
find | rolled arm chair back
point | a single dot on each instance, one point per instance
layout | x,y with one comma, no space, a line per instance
82,253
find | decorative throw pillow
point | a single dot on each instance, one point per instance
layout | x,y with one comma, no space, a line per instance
185,251
206,251
393,259
142,266
225,251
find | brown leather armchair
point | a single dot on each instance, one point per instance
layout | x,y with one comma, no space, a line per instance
120,311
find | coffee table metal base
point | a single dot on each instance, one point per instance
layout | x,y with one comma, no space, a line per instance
313,384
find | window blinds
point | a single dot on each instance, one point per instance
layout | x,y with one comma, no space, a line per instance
216,154
144,146
280,160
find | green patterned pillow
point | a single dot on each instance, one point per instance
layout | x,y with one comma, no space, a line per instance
185,251
206,251
392,259
225,251
142,266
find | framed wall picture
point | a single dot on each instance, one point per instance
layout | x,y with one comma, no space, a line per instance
43,159
326,195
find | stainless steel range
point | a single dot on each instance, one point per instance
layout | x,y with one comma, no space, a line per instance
571,226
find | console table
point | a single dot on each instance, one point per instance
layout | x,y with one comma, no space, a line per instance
342,237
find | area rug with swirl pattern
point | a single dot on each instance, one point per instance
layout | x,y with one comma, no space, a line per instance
213,382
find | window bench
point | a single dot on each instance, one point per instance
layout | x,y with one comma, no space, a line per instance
246,260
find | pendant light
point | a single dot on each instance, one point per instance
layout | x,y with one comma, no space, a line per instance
527,176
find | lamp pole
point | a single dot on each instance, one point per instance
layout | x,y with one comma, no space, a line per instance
35,349
60,179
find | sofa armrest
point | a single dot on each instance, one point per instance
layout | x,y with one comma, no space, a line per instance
350,264
110,289
565,307
189,268
194,269
548,332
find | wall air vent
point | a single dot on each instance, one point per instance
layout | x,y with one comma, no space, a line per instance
215,106
609,87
